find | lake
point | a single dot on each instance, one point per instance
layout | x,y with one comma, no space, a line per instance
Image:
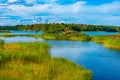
22,32
91,33
103,62
99,33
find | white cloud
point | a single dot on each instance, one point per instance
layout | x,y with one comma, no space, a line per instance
47,1
67,9
75,8
46,8
95,14
30,1
104,8
40,1
29,11
12,0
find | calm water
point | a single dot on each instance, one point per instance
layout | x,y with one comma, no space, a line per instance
100,33
23,32
103,62
21,39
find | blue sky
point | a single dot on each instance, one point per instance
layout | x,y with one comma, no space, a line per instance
103,12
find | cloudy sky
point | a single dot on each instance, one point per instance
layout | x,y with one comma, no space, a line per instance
105,12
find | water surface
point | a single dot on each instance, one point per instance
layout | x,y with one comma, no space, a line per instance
20,39
103,62
22,32
99,33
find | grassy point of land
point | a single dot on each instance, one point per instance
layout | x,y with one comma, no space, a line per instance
109,41
80,37
32,61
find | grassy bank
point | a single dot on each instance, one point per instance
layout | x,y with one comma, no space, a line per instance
32,61
67,35
109,41
4,31
79,37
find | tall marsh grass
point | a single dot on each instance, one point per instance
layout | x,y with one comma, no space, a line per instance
109,41
79,37
1,42
32,61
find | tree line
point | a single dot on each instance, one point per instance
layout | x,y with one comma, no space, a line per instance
62,27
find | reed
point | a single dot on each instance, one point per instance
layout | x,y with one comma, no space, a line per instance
32,61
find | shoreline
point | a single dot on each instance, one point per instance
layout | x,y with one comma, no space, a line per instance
109,41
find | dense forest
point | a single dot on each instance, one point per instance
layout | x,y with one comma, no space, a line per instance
61,27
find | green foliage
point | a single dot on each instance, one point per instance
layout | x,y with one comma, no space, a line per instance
58,28
70,33
32,61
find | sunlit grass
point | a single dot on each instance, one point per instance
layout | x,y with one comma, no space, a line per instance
79,37
7,35
110,41
1,42
32,61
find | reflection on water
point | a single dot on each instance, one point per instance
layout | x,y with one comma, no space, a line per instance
103,62
23,32
20,39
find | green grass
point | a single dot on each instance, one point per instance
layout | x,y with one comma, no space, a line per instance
4,31
109,41
80,37
1,42
7,35
32,61
100,39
